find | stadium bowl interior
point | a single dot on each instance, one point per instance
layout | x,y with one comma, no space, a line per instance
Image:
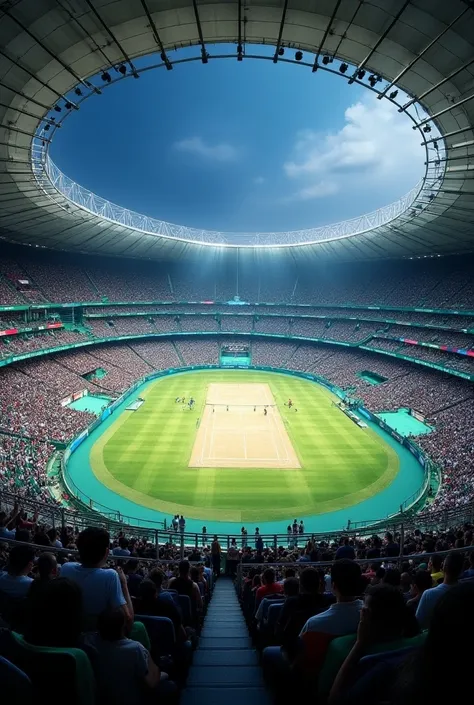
388,318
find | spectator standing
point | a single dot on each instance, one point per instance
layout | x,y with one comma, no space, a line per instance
244,534
182,523
216,556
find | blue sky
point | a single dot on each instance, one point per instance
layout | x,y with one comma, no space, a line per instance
240,146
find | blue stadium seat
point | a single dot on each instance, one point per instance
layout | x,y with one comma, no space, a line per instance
186,611
273,614
16,686
161,633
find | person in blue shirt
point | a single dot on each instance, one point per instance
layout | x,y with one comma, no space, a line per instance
15,582
7,530
345,551
453,565
102,588
469,573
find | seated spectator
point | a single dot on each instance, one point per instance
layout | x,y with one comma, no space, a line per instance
54,614
422,581
150,602
269,587
343,616
453,565
185,586
133,578
15,581
296,611
469,573
392,577
346,550
126,673
102,589
391,549
198,578
46,568
444,651
382,627
122,548
436,569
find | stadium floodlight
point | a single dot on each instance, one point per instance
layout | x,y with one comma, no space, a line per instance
343,68
57,108
435,145
327,60
393,95
360,74
372,81
299,55
122,69
46,128
68,106
427,128
106,77
281,51
78,91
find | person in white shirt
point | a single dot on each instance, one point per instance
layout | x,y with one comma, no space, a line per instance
453,566
343,616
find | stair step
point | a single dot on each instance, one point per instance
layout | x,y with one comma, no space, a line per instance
232,696
226,630
226,657
237,676
223,642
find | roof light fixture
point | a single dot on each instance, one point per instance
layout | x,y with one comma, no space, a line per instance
343,68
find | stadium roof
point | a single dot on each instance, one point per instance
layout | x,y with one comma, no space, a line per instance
50,48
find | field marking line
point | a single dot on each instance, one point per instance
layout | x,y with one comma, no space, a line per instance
244,439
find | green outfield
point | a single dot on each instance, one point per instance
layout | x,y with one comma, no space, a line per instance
145,455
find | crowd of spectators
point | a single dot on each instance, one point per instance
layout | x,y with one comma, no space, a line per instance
28,342
57,277
23,464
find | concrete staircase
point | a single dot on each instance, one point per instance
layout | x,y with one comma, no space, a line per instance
225,668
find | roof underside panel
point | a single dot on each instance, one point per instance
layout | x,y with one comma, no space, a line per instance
48,48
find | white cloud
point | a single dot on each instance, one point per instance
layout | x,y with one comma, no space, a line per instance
376,148
321,189
221,152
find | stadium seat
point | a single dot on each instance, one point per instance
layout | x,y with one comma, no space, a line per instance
161,633
16,686
273,614
12,611
186,611
53,672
